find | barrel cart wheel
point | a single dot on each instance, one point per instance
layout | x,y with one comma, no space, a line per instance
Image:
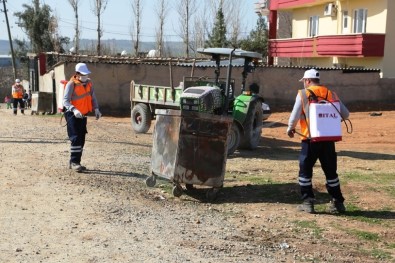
151,181
177,190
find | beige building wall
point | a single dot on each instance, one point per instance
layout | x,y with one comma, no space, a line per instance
381,19
377,12
389,52
300,21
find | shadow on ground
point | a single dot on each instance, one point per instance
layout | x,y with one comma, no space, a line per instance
115,173
276,193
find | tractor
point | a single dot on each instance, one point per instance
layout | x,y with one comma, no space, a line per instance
213,95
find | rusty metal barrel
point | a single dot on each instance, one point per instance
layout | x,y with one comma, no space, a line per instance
189,148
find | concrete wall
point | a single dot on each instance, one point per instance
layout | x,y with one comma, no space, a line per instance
362,91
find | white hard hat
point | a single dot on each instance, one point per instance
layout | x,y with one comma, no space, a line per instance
310,74
18,81
82,68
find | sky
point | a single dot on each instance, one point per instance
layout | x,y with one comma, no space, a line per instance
116,19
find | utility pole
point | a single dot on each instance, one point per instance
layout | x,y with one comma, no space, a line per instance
10,39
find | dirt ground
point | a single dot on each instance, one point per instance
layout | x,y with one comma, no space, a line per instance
107,214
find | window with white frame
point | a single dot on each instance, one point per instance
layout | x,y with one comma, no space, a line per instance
360,16
346,22
313,26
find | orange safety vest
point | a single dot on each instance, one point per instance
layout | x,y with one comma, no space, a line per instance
322,93
17,91
81,97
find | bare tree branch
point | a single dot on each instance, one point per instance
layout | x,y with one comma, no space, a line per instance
98,8
234,18
74,4
199,32
186,9
161,9
137,9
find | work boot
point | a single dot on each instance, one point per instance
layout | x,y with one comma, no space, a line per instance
83,168
336,207
76,167
307,206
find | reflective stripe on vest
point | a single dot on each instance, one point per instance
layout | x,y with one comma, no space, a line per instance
321,92
81,97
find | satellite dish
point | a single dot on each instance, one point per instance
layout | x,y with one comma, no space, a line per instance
124,53
72,50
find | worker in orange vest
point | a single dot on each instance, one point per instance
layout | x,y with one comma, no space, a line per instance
79,99
17,94
315,150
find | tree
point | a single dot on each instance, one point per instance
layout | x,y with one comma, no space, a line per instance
199,32
74,4
186,10
258,38
22,47
137,9
161,12
233,13
38,24
217,38
98,8
233,20
57,40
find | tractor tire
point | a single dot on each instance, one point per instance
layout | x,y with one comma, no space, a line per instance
252,126
141,118
233,139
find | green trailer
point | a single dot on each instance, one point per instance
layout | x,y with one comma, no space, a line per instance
145,99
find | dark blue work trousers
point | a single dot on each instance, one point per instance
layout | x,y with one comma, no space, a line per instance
21,105
76,130
326,153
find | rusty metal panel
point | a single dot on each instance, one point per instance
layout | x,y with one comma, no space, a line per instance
165,143
190,147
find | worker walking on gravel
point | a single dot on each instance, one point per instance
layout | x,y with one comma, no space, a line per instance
79,100
17,95
313,150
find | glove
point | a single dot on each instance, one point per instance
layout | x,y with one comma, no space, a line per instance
97,114
291,133
77,113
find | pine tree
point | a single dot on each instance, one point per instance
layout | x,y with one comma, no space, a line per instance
38,23
257,40
218,36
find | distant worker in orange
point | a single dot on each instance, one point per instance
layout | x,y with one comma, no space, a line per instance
79,99
17,94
